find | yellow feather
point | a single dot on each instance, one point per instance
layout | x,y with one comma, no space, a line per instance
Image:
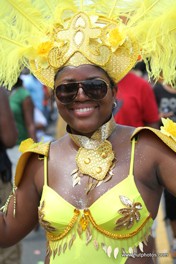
113,7
145,12
154,26
50,8
12,49
24,15
52,11
12,41
81,5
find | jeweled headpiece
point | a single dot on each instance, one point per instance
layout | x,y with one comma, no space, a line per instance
47,35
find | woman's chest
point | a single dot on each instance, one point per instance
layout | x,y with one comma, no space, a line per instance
62,171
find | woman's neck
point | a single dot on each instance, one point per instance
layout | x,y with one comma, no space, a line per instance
89,134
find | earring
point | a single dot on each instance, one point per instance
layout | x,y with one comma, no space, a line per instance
114,105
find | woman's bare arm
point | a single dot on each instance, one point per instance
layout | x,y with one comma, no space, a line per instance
167,170
13,229
164,159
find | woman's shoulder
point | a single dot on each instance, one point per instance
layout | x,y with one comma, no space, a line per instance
123,132
62,146
149,138
29,151
166,135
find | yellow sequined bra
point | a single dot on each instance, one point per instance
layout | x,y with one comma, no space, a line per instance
113,225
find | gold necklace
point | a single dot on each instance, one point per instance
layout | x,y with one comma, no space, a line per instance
95,157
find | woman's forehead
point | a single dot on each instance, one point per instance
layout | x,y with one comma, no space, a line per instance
85,71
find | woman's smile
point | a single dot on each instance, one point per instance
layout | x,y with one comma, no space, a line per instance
83,110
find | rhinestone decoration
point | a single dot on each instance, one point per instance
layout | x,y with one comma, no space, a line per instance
45,224
87,161
83,222
104,155
130,214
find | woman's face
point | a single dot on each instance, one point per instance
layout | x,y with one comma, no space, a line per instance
85,115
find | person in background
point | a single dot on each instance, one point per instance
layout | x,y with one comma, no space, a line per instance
136,104
35,88
23,110
47,103
140,70
41,124
8,138
166,101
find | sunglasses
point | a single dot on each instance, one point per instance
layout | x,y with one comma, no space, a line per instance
94,89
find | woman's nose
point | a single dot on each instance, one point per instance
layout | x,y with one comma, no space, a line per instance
81,94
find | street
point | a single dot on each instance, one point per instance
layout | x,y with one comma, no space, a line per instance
33,247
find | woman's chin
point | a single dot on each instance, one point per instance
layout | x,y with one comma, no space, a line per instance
87,127
84,130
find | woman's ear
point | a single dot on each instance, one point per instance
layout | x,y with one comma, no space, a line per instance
114,91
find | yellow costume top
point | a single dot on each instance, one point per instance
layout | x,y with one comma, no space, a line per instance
116,223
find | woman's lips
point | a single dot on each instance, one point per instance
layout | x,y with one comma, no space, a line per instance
84,111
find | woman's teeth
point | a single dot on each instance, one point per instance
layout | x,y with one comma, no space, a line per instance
84,109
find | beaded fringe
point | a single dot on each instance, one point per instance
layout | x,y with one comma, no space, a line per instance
111,247
12,194
112,244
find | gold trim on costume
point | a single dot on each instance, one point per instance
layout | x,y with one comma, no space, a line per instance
97,138
74,219
89,218
112,235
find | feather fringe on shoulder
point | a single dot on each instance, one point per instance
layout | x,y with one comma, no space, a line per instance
25,23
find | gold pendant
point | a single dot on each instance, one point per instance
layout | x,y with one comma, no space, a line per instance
95,162
95,157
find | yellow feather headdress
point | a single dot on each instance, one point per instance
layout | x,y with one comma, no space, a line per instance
45,35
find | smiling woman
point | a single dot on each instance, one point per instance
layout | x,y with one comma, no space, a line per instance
85,114
96,191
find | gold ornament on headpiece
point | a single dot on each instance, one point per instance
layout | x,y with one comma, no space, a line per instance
81,43
47,35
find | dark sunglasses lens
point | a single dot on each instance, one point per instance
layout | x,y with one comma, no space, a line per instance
66,93
96,89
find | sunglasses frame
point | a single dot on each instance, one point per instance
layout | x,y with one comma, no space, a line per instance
82,86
